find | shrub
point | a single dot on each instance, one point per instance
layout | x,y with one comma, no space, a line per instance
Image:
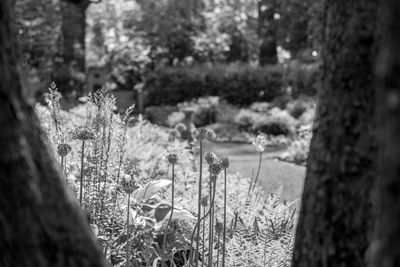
298,151
278,122
237,84
260,107
160,115
296,108
247,118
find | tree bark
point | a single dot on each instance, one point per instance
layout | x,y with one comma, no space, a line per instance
385,248
267,32
70,67
40,224
336,210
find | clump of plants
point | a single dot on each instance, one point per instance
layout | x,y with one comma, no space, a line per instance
154,201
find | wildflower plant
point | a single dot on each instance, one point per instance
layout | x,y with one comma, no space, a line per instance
122,173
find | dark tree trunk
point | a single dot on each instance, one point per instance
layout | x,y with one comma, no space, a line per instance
40,224
385,249
238,50
267,31
336,208
70,68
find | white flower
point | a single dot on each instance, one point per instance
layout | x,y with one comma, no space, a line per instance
260,143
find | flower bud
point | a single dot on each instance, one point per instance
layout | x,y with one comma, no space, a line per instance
172,158
210,158
63,149
215,168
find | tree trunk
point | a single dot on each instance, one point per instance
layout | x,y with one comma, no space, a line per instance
70,67
40,224
267,32
336,208
385,249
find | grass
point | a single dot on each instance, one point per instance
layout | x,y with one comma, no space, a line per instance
273,173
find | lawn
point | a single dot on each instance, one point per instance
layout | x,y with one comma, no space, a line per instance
273,173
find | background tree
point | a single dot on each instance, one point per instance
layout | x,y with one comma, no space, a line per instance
336,209
70,64
39,31
40,225
267,31
294,25
384,250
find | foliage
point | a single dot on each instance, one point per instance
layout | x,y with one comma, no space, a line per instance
39,30
237,84
303,77
126,161
298,150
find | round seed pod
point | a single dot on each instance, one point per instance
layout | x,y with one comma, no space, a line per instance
219,227
128,186
210,158
224,162
210,135
172,158
215,168
204,201
83,133
63,149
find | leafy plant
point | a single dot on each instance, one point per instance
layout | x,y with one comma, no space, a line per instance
123,185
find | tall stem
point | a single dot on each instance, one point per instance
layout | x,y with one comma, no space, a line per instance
170,216
127,231
194,231
211,230
258,171
204,230
219,239
210,224
199,206
81,187
224,231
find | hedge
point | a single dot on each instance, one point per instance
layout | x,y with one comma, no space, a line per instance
238,84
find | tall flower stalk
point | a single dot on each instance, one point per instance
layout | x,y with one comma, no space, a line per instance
63,150
172,159
122,142
218,230
224,164
204,203
260,143
128,186
214,169
210,158
191,259
199,135
83,134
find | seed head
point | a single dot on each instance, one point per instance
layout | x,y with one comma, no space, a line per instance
224,163
63,149
260,143
199,134
210,158
172,158
83,133
210,135
204,201
219,227
215,168
129,185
